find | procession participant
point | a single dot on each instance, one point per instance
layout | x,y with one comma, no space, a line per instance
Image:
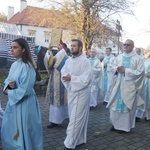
108,77
126,94
96,68
22,125
144,110
56,93
139,52
76,76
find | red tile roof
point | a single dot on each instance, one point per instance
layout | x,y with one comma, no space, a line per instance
36,16
33,16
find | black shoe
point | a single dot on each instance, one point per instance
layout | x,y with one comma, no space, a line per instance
137,119
52,125
67,148
80,144
113,129
105,103
121,131
146,119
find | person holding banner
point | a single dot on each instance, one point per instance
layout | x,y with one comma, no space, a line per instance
56,94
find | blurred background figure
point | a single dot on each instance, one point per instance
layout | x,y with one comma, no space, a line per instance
107,75
96,68
140,53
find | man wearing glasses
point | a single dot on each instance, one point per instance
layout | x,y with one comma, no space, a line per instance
126,93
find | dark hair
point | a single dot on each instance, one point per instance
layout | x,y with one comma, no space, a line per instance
68,51
26,56
79,42
65,45
109,49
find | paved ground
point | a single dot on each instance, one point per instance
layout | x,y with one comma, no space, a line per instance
99,137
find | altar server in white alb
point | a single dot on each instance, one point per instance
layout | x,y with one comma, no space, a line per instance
77,77
144,110
96,68
127,93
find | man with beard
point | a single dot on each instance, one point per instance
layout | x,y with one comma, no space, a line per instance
77,77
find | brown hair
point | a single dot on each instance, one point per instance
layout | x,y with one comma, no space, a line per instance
26,56
79,42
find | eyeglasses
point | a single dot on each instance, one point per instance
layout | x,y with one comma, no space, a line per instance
126,44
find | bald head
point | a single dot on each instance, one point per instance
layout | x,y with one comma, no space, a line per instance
128,46
131,42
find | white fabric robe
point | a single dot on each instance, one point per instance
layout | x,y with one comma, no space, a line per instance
130,87
96,68
78,99
144,110
107,79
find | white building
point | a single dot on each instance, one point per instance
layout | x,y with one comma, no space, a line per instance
32,25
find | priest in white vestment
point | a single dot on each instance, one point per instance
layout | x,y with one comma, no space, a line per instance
139,52
77,77
107,76
127,93
96,68
144,110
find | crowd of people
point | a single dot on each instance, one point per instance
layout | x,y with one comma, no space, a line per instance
76,82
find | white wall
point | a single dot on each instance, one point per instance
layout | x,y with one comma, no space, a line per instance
39,34
67,37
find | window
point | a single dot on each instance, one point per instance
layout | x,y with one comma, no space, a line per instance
47,36
46,40
32,33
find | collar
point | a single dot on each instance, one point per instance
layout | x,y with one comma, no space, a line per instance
129,54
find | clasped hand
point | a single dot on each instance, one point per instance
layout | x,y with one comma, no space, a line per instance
121,69
147,75
67,77
11,84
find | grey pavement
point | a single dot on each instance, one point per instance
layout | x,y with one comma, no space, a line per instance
98,137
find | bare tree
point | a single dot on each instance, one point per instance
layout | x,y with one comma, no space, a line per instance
90,19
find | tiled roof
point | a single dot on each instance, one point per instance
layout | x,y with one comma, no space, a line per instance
36,16
32,16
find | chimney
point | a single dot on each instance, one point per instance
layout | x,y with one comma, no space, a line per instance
23,5
10,12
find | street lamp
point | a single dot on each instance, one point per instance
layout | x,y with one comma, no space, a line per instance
118,33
